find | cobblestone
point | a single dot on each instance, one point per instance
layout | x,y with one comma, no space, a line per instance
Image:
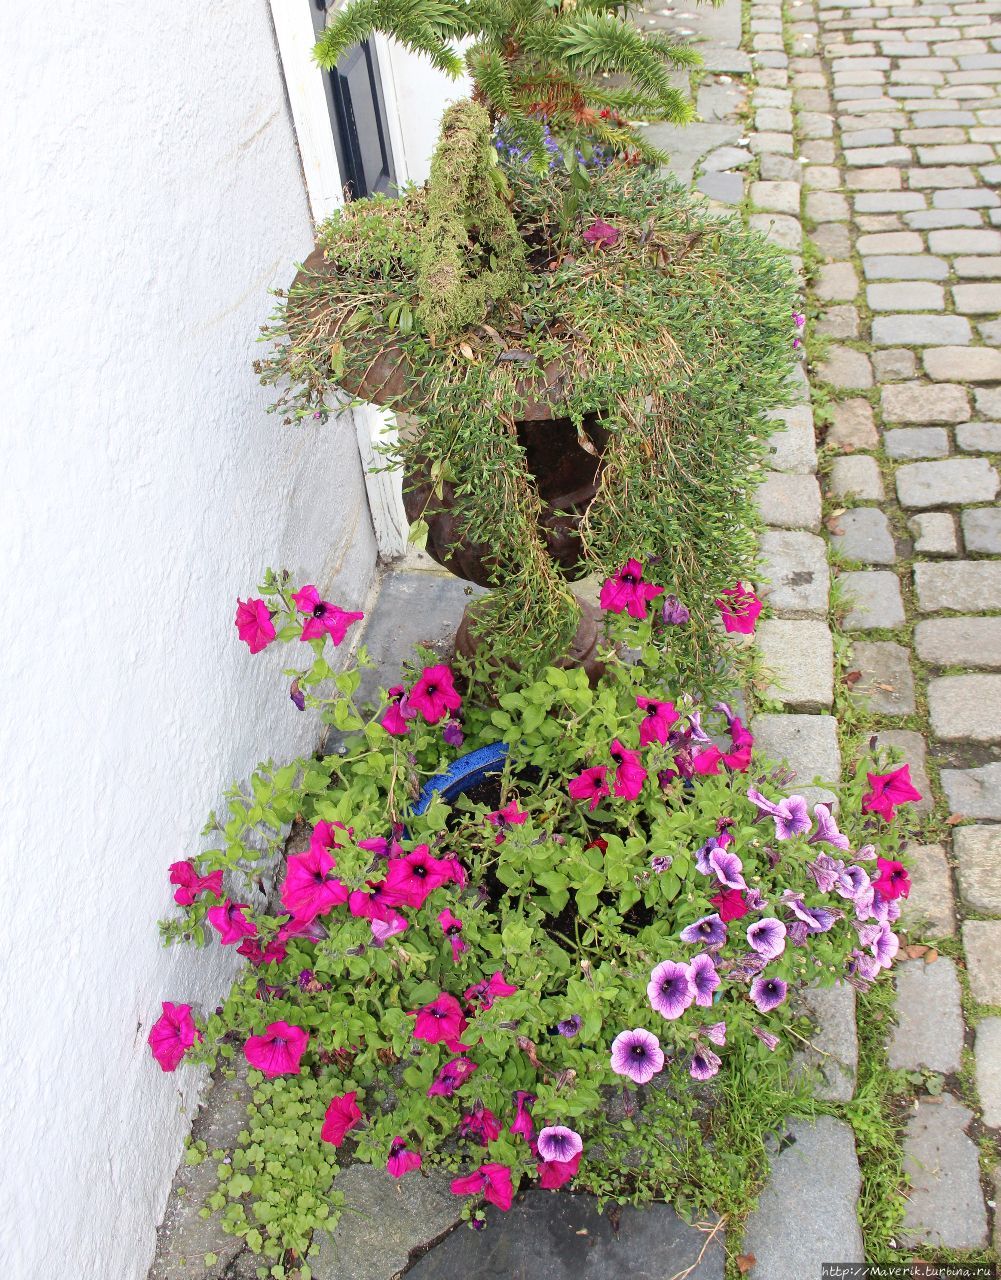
962,364
795,565
810,745
928,910
982,530
790,501
886,684
876,602
836,282
965,586
906,296
856,476
913,751
916,442
800,655
982,944
847,369
988,1069
974,793
894,364
945,1205
978,861
920,331
852,425
979,437
884,266
966,707
947,483
863,534
929,1030
934,533
959,642
792,447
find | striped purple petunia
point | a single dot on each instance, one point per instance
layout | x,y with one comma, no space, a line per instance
637,1054
670,989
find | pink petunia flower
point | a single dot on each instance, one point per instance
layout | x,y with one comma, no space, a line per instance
401,1159
627,591
629,772
324,618
190,884
232,924
394,718
480,1124
522,1123
657,720
504,819
740,610
554,1174
309,888
342,1114
273,953
411,879
730,904
172,1035
439,1021
452,928
893,880
451,1077
434,694
602,235
590,786
278,1052
889,790
254,625
483,994
492,1181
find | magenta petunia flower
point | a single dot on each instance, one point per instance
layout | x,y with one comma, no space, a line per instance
492,1181
190,884
602,235
394,718
254,625
411,879
704,979
739,610
310,889
792,816
638,1055
670,989
710,931
232,924
674,612
451,1077
452,929
827,829
439,1021
889,791
730,904
554,1174
704,1064
590,785
434,694
522,1123
483,994
342,1114
480,1124
628,592
629,772
324,618
506,818
727,868
401,1159
893,880
557,1142
768,993
172,1035
273,953
657,720
278,1051
767,937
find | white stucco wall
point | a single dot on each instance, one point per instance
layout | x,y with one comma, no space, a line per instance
150,197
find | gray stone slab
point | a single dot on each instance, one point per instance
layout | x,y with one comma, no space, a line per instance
982,944
978,866
727,188
864,534
833,1049
959,642
724,158
988,1070
687,144
806,1214
905,295
916,402
966,708
856,476
846,369
979,437
916,442
852,425
799,653
934,533
841,321
894,364
982,530
789,501
928,911
974,793
809,744
962,364
964,586
551,1235
835,281
945,1205
795,565
951,482
913,751
929,1030
792,447
883,266
383,1222
886,685
874,599
920,330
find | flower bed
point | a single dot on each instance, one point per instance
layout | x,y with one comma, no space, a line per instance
578,971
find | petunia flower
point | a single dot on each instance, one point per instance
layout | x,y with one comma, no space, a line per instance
889,790
492,1181
394,718
273,953
706,763
522,1123
383,930
342,1114
637,1054
568,1027
716,1032
674,612
710,931
434,694
557,1142
629,772
439,1021
670,989
740,610
893,880
401,1159
554,1174
730,904
504,819
452,733
704,979
278,1051
768,993
324,618
590,785
767,937
309,888
451,1077
297,696
602,235
886,946
483,994
411,879
480,1124
254,625
727,868
792,815
816,919
770,1041
172,1035
657,720
660,863
452,929
628,592
190,884
827,829
325,836
704,1064
827,871
232,924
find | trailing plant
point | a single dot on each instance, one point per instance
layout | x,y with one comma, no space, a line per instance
581,972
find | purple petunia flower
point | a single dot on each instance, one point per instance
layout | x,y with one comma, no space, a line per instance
702,856
816,919
886,946
767,937
792,816
674,612
727,868
637,1054
569,1027
710,931
827,829
704,979
704,1064
661,862
755,899
797,933
716,1032
768,993
670,989
827,871
557,1142
767,1039
452,733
